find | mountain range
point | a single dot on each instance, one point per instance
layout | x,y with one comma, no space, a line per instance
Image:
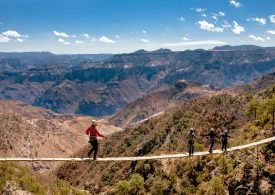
103,87
155,97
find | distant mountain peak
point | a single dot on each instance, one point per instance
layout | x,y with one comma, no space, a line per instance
141,51
237,47
162,50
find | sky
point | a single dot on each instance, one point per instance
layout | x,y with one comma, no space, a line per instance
122,26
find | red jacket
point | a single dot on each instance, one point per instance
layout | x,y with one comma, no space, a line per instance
92,131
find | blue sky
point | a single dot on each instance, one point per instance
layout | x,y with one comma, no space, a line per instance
118,26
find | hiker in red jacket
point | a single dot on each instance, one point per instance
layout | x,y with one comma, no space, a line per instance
93,134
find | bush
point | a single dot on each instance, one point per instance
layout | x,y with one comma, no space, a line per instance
217,185
134,186
159,186
123,187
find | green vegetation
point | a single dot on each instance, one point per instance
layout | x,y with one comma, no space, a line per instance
21,178
232,172
134,186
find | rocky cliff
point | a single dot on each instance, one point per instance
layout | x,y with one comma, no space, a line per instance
101,88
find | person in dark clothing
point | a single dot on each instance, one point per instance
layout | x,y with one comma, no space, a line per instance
212,135
191,140
93,134
224,137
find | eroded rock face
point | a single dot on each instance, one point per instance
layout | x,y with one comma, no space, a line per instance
66,84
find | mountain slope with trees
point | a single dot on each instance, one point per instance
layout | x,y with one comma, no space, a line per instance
239,172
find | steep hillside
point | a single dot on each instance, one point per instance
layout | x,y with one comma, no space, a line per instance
15,180
160,101
102,88
237,172
28,131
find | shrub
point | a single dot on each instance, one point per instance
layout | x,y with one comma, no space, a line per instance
159,186
136,184
123,187
216,185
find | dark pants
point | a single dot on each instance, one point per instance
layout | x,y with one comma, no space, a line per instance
191,147
94,148
224,145
212,141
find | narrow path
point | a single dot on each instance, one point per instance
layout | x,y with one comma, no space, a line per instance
141,157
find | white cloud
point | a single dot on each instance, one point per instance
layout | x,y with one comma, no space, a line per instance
19,40
73,36
60,40
204,25
272,18
235,3
117,36
13,34
144,31
259,20
204,15
221,13
226,25
93,39
4,39
105,39
267,38
185,38
216,16
199,10
190,43
144,40
60,34
181,19
78,42
237,29
86,35
272,32
255,38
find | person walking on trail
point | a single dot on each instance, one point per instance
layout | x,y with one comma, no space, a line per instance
93,134
224,137
212,135
191,140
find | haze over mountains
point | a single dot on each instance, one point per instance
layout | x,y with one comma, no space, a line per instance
78,84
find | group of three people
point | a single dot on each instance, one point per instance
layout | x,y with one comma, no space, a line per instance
212,135
94,133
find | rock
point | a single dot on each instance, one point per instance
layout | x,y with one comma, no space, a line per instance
181,85
240,190
87,185
214,172
211,165
11,188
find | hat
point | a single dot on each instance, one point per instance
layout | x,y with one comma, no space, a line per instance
225,131
191,129
94,122
212,129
